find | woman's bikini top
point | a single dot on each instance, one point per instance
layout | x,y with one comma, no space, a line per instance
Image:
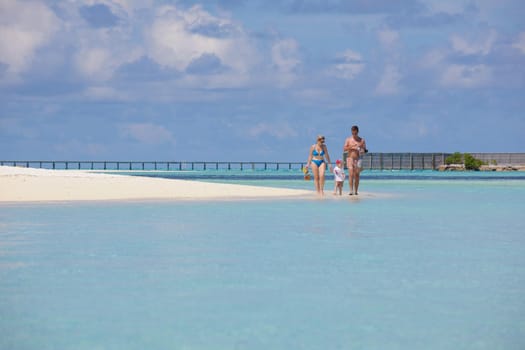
317,154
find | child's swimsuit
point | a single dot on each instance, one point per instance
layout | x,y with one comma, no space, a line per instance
339,174
318,162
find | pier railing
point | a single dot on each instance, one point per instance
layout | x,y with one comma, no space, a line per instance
153,165
370,161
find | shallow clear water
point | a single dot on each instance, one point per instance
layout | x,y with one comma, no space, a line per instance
424,264
284,174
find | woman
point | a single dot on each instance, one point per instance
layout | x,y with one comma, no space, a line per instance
354,147
316,159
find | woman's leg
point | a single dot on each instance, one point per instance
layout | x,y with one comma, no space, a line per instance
315,171
322,169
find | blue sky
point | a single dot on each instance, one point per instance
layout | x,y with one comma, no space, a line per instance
258,80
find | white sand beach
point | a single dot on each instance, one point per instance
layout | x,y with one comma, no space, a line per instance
19,184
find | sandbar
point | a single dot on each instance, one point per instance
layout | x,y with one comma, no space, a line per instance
18,184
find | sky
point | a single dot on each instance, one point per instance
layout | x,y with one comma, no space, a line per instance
239,80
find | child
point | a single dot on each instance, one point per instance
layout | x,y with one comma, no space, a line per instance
339,177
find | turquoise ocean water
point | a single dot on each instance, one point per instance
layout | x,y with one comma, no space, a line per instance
430,261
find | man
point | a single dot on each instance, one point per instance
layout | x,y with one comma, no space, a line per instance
354,148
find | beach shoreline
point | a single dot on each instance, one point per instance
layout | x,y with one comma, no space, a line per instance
20,184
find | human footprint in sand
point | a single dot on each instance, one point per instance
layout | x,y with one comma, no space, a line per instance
316,160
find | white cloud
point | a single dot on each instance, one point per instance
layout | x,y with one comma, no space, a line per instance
147,133
97,51
100,63
419,127
279,130
474,47
25,26
389,84
93,63
433,58
178,37
285,58
76,148
95,149
101,51
388,38
123,7
350,64
520,43
457,75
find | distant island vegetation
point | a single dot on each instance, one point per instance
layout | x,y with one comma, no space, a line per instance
465,159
